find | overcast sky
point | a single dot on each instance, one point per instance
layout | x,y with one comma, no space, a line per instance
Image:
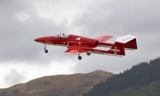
21,21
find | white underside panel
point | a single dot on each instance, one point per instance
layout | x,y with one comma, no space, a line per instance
125,39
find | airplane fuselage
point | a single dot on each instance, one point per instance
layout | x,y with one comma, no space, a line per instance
78,44
71,40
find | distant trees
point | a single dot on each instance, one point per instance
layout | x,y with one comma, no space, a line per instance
138,75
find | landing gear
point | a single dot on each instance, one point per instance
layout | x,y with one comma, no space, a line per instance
45,50
88,53
79,57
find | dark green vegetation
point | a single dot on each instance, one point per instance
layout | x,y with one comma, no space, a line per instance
147,90
140,80
134,82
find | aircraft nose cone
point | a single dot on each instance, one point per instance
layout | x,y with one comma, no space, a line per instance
44,39
38,40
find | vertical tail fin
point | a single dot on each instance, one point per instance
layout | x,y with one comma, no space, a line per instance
128,41
117,49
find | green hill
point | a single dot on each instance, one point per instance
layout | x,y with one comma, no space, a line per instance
133,81
152,89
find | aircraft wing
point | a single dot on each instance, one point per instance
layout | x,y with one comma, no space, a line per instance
103,38
74,50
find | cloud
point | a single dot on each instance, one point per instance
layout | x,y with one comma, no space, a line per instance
21,25
21,21
121,17
13,77
118,18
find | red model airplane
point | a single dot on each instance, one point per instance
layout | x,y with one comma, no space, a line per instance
78,44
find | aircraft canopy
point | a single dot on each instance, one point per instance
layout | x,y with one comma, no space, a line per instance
61,35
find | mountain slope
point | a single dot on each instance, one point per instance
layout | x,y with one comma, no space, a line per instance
153,89
60,85
138,76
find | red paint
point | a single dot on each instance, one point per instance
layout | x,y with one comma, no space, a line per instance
78,44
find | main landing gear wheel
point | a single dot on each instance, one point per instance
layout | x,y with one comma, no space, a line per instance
88,53
79,57
45,50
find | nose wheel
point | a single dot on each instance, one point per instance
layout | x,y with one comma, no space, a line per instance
45,50
79,57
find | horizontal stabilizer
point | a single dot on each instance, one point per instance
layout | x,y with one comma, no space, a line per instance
128,41
125,39
103,38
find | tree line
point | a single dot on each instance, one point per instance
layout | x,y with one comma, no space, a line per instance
139,75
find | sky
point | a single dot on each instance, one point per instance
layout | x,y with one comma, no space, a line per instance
21,21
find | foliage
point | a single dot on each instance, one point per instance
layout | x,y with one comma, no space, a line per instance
147,90
138,75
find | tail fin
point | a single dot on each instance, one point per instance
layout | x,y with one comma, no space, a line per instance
117,49
129,41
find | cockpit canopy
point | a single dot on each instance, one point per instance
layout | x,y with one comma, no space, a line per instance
61,35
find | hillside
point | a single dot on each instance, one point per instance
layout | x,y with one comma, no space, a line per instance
60,85
137,77
153,89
